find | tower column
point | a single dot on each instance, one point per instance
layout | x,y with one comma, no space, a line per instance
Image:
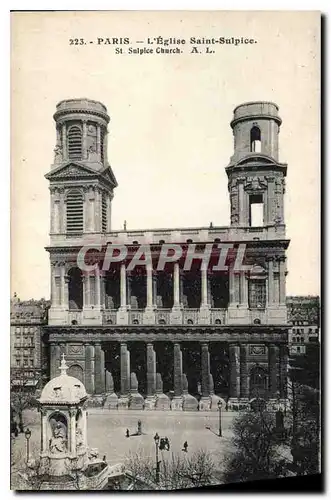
176,285
64,141
72,433
123,286
244,383
273,362
282,285
99,368
234,354
204,287
270,280
243,289
154,278
84,142
97,287
149,287
98,140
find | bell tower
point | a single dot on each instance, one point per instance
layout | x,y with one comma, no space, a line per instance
256,178
81,179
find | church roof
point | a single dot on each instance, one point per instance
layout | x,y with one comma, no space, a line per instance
63,389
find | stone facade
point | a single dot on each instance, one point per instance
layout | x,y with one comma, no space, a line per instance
176,328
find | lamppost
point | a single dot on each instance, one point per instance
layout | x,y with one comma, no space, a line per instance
157,439
27,437
219,404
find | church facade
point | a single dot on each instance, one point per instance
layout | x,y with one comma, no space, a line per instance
178,334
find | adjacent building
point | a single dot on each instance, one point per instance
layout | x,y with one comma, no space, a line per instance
28,357
304,319
177,335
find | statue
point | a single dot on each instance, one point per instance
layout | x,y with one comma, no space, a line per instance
58,153
79,438
58,442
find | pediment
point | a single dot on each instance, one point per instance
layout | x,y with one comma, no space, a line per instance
108,174
71,170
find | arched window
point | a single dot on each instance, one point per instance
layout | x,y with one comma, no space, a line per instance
75,142
77,372
75,288
255,140
75,219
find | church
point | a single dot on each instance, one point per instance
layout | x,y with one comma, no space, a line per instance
175,338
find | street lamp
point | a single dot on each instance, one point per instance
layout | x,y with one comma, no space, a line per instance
157,439
219,404
27,437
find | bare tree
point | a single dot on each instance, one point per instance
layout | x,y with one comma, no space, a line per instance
175,473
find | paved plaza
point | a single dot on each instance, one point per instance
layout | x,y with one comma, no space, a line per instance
107,432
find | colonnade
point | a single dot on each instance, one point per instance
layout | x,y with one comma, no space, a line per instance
240,365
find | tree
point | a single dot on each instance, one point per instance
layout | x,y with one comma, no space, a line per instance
256,447
175,473
305,429
21,395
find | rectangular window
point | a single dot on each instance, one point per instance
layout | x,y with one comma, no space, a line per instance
257,294
256,210
18,362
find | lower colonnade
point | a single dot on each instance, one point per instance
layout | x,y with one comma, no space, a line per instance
175,375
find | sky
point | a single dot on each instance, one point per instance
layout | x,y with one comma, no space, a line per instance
169,135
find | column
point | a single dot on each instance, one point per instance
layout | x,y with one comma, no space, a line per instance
123,286
204,290
270,262
178,370
98,140
55,360
244,383
149,287
282,293
84,144
205,370
176,285
103,281
66,291
283,365
273,361
243,289
181,287
97,287
62,274
72,414
241,203
89,368
64,141
151,370
125,369
154,278
99,368
231,284
43,443
128,289
54,298
234,387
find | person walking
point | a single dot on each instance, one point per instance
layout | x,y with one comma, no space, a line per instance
185,446
127,433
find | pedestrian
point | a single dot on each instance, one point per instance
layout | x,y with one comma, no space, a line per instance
185,446
127,433
167,443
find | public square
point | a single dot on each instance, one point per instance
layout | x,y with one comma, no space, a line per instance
107,432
